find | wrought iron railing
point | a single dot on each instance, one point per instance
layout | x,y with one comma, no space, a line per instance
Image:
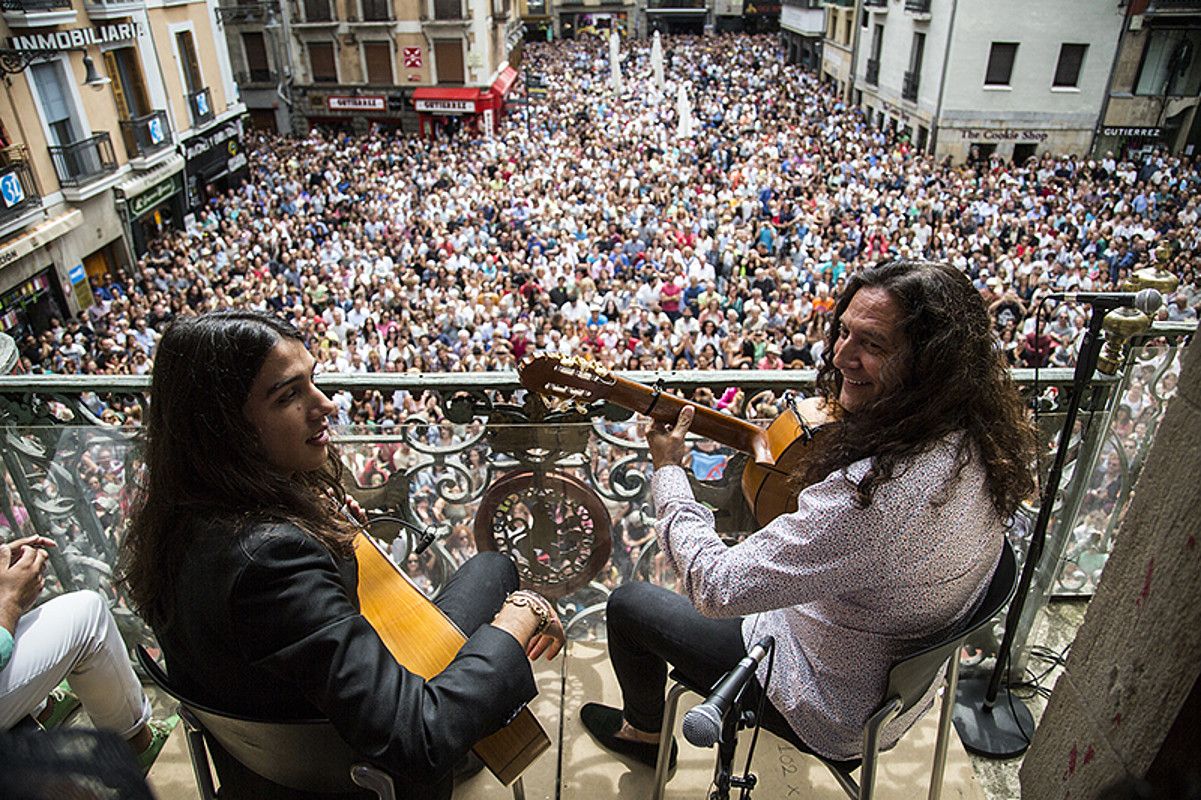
918,6
377,10
448,9
872,75
147,134
200,104
909,85
255,76
875,3
563,490
18,191
84,161
34,5
317,11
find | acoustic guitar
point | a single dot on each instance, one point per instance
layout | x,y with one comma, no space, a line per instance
777,454
424,640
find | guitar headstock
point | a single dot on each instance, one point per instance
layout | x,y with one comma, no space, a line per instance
567,377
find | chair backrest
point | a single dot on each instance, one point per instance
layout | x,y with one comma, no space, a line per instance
305,755
910,678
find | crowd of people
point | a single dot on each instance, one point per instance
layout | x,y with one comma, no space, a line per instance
589,227
592,229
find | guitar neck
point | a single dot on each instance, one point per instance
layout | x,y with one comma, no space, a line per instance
721,428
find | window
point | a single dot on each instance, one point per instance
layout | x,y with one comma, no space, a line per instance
321,60
1171,64
256,55
1071,59
316,11
1000,63
448,55
378,57
129,89
916,51
377,10
877,41
188,61
52,89
448,9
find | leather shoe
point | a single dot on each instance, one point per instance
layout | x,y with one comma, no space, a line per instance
603,722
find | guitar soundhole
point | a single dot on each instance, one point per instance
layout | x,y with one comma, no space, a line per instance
554,528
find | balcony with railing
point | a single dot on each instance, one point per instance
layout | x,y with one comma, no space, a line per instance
18,192
147,135
562,489
675,5
112,9
37,13
875,5
919,7
448,10
79,163
200,106
254,77
872,74
909,86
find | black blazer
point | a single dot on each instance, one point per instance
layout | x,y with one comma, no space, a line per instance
267,624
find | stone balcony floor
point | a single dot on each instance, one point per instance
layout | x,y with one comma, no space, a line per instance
575,768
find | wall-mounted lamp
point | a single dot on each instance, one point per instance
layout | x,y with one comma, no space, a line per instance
14,61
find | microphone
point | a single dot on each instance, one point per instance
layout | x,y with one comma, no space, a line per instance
703,723
1147,301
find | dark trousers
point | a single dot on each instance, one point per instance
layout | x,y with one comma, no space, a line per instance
650,627
476,590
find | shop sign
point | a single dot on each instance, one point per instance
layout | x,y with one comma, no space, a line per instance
447,106
201,145
11,189
1004,135
156,194
372,102
412,57
79,285
39,235
1142,133
76,37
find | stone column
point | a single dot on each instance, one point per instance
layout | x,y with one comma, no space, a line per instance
1117,709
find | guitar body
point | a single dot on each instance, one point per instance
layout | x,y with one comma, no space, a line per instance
794,439
424,641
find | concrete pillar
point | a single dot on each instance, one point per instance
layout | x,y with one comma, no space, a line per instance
1137,657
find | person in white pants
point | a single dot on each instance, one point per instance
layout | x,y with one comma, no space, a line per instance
73,637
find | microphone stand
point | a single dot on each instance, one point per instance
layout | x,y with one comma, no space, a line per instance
737,720
991,721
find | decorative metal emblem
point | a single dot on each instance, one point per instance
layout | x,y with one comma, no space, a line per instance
552,525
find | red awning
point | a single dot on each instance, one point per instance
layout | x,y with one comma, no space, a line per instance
448,93
504,81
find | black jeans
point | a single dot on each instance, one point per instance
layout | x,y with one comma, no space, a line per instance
476,590
650,627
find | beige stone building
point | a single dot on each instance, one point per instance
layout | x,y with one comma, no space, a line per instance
118,119
1155,85
353,63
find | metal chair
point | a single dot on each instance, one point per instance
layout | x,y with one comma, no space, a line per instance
908,681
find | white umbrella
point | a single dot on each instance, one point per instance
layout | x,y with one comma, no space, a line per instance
686,127
657,61
615,62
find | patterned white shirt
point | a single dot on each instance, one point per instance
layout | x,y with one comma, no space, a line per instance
845,591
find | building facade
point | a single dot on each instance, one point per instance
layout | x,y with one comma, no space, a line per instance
802,26
837,43
1155,88
118,119
413,64
962,80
